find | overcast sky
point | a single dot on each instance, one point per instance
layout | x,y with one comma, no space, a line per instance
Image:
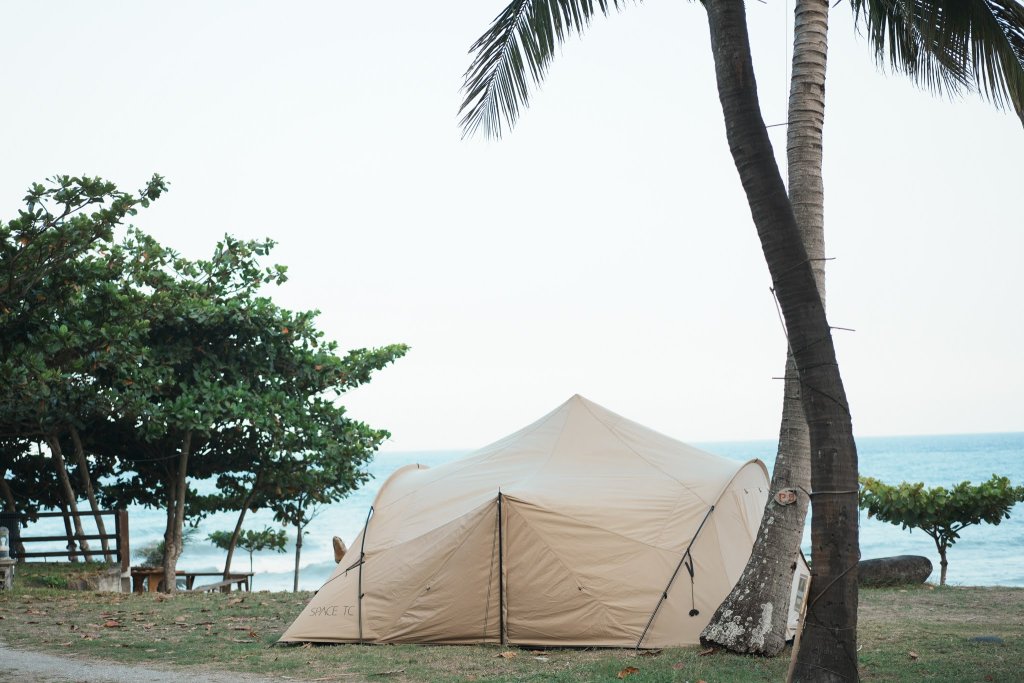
603,247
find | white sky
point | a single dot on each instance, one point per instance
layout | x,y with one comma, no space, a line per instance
603,247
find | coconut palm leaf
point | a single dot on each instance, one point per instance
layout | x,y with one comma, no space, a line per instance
951,46
520,41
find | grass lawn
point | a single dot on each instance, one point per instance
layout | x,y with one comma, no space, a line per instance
919,634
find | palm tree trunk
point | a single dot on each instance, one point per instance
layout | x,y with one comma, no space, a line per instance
69,492
753,619
90,494
828,651
177,486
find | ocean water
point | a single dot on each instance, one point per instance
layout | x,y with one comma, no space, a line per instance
984,556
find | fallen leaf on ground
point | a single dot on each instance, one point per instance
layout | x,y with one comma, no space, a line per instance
678,666
628,671
508,654
705,653
179,619
648,653
110,623
913,655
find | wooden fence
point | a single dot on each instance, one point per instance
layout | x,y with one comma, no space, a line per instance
119,549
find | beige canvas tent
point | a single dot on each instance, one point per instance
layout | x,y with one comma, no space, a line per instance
582,529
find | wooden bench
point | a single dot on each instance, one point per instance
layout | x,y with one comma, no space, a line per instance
224,585
149,579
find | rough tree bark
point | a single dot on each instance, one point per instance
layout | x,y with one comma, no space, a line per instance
753,618
69,492
177,488
828,650
90,493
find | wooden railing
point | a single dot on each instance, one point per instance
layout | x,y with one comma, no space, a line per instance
120,549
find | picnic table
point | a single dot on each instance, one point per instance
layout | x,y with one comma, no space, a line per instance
149,578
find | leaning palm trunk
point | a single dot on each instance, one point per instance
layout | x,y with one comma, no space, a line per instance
753,618
829,647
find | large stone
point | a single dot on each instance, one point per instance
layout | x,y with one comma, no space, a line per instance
106,580
894,571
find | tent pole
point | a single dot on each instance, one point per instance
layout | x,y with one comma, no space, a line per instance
359,590
501,575
664,593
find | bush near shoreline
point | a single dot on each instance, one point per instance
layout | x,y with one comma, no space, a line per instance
905,634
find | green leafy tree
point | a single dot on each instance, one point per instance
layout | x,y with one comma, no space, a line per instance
58,318
227,384
251,541
939,512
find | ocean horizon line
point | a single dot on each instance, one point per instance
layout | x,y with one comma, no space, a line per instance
464,449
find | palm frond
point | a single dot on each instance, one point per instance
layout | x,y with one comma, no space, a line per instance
951,46
520,43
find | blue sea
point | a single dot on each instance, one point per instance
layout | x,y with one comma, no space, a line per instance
984,556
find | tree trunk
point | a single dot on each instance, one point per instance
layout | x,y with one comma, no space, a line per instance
806,126
6,493
72,555
828,651
90,494
69,492
298,554
10,506
753,619
233,543
942,565
177,487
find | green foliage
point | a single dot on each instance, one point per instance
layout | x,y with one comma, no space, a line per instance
939,512
165,369
951,45
152,554
252,541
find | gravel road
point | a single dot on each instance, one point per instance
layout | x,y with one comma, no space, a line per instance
24,666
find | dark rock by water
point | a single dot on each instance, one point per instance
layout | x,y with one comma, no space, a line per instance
894,571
